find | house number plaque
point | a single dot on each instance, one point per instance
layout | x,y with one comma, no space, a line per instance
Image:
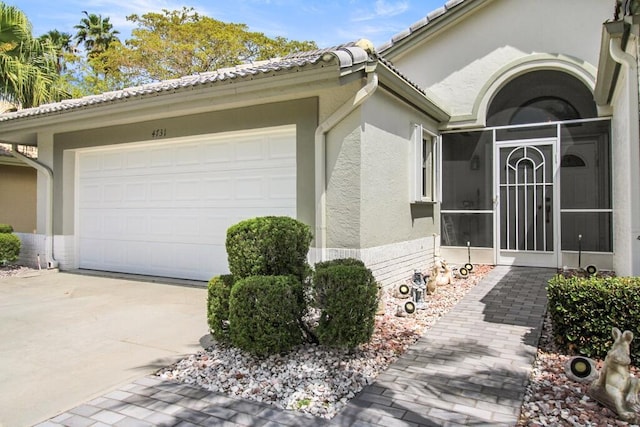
159,133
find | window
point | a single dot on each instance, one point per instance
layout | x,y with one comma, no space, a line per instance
423,185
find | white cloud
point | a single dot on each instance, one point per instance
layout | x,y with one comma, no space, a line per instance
382,9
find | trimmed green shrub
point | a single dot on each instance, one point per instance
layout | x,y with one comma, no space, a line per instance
264,314
347,295
6,228
318,298
339,261
219,289
583,311
9,248
268,246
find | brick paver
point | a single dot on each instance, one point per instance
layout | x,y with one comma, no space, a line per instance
470,368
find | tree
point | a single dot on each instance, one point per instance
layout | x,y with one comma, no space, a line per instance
28,72
95,33
61,43
177,43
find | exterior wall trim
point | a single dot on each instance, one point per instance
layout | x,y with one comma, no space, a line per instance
584,72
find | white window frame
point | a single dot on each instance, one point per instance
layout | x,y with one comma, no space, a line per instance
424,169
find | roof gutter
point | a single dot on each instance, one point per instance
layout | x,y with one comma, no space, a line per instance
321,152
51,262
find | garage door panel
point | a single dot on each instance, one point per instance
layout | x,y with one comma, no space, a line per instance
161,157
188,190
250,187
113,225
282,148
164,208
136,225
91,225
90,163
189,154
217,188
218,153
113,193
91,252
248,150
159,225
90,193
135,192
112,161
137,252
280,187
136,159
161,191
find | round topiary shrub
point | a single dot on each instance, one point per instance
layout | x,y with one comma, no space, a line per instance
268,246
6,228
219,290
264,314
9,248
319,291
347,296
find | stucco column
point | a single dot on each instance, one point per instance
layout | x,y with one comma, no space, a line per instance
627,246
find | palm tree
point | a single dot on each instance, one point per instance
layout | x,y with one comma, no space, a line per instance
96,33
61,42
28,75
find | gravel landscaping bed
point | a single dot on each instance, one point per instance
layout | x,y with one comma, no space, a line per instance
316,379
14,270
552,399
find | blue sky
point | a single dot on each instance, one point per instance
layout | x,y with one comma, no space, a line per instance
328,22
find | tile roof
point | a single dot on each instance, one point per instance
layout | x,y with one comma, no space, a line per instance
348,55
393,68
427,20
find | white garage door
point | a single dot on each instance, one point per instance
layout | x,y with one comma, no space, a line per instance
163,209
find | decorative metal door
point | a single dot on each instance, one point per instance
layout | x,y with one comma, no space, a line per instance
527,203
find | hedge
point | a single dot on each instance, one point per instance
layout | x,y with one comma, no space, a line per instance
264,314
347,295
6,228
583,311
219,290
9,248
268,246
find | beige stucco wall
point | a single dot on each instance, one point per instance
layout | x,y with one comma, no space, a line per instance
343,177
457,63
370,214
369,157
388,213
18,197
302,113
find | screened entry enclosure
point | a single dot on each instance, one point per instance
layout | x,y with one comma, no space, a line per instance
529,192
534,186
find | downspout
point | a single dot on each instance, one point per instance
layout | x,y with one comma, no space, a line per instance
51,262
320,156
625,59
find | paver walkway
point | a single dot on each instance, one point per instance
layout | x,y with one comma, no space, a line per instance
470,368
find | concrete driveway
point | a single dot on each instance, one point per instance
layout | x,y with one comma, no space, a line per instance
67,338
